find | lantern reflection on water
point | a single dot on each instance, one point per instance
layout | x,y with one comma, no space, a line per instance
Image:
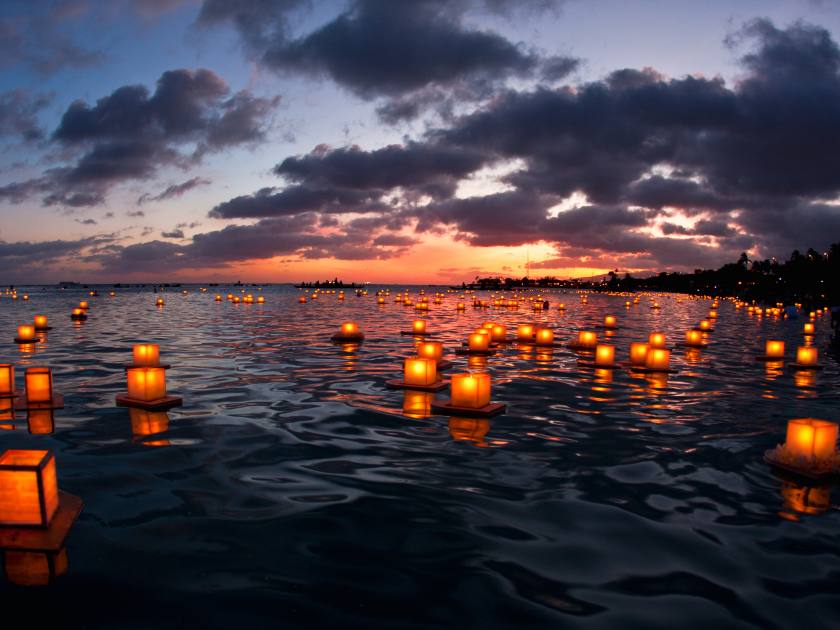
417,404
469,430
40,421
805,499
34,568
146,422
28,488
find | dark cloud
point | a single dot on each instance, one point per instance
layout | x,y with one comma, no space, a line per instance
87,221
176,233
130,134
19,115
175,190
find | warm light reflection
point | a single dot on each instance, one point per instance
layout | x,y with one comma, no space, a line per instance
417,404
469,430
34,568
805,499
145,423
40,421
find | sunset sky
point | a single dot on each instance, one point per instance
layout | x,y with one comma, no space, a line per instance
412,141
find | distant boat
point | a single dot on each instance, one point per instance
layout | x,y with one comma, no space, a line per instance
327,284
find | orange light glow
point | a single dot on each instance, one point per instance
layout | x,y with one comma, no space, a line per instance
693,338
479,341
417,404
658,359
604,355
7,379
40,322
656,340
807,355
809,328
349,328
498,332
806,499
26,334
774,349
144,422
544,337
34,568
84,305
420,371
28,488
587,339
712,314
146,354
40,421
471,390
469,430
430,350
610,321
146,383
705,325
38,381
77,313
159,302
525,332
418,327
811,438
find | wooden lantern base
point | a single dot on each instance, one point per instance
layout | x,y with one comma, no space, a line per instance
57,402
434,387
79,318
481,353
44,329
579,348
801,471
339,338
159,404
802,366
26,342
592,364
770,359
446,407
47,539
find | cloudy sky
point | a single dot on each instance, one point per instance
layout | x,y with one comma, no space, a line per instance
412,140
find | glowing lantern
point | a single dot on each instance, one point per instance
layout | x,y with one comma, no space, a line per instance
811,438
218,298
146,384
78,314
146,355
587,339
40,421
26,298
809,328
712,314
84,305
656,340
26,334
655,306
658,359
28,488
430,350
627,304
498,332
705,325
418,327
260,299
610,321
380,301
160,302
479,342
7,379
460,306
604,355
561,307
38,382
420,371
112,294
302,299
471,390
41,322
544,337
774,349
525,332
694,338
806,355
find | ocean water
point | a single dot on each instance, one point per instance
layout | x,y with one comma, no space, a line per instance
293,489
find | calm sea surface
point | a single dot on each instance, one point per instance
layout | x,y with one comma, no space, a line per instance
293,489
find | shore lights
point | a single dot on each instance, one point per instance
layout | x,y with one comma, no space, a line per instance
810,448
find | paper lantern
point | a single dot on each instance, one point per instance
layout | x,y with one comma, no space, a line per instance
302,299
774,349
811,438
525,332
38,381
809,328
712,314
627,304
418,327
420,371
656,340
460,306
160,302
7,379
658,359
40,421
260,299
587,339
604,355
471,390
146,383
705,325
41,322
146,355
349,328
544,337
498,332
430,350
610,321
807,355
561,307
78,314
26,334
84,305
479,341
694,338
28,488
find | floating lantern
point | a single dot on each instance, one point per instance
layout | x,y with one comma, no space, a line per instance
26,334
471,390
420,371
498,333
694,339
806,357
146,355
655,306
544,337
40,322
430,350
604,356
349,332
525,332
380,301
84,305
460,306
302,299
39,389
7,380
586,339
112,294
40,421
78,315
561,307
658,360
712,314
811,439
28,488
146,384
809,328
25,297
160,302
705,325
627,304
610,321
478,342
774,350
656,340
260,299
418,327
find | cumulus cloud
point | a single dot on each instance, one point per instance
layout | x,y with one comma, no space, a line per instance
19,115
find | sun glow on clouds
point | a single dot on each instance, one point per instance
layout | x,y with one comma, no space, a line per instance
488,180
